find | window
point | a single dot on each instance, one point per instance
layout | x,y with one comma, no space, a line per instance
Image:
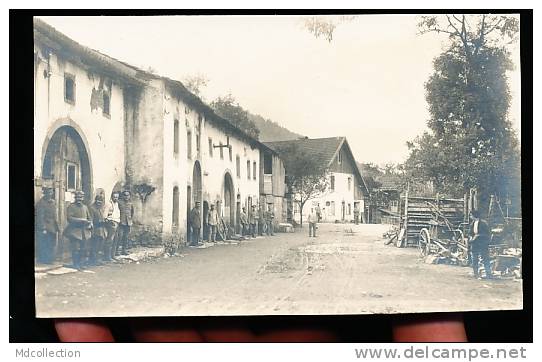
176,137
349,183
197,144
267,164
69,88
107,104
210,147
248,170
340,158
332,183
71,176
238,165
328,203
221,150
254,170
349,209
189,144
175,211
230,150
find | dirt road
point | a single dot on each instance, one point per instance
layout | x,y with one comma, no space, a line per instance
345,270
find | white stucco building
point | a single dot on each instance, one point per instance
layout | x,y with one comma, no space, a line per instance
103,125
346,186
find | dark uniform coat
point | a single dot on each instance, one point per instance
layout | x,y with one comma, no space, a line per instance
77,228
126,212
46,217
195,218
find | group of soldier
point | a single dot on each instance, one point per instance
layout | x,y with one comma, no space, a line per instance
252,223
98,232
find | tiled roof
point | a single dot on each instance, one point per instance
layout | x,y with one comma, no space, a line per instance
323,149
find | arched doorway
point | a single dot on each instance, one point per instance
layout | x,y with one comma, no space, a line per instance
66,161
229,202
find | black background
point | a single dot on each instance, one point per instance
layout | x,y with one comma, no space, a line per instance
502,326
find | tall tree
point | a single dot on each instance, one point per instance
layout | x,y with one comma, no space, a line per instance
195,83
470,142
306,178
228,108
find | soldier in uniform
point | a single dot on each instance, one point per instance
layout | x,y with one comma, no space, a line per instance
356,214
79,228
212,221
99,234
479,244
269,219
253,220
244,222
261,220
126,208
112,224
46,226
195,225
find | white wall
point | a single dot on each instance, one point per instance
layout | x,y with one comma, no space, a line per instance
103,135
341,193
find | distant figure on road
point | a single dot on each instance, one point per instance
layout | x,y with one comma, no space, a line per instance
244,222
356,214
97,211
269,219
79,228
212,221
318,212
313,220
479,244
195,224
253,220
46,226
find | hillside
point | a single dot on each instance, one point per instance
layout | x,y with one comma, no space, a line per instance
271,131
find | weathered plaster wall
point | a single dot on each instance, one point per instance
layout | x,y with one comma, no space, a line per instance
103,135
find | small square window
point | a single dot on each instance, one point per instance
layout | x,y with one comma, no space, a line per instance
69,88
71,176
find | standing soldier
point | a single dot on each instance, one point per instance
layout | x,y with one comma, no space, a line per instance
318,212
97,212
112,223
356,214
78,229
261,220
212,221
126,220
269,218
244,222
253,220
479,244
46,226
195,224
313,219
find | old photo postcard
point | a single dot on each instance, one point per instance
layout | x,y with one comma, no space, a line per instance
277,165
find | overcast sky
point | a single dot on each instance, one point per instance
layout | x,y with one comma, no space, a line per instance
367,84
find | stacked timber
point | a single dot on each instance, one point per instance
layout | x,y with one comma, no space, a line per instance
421,212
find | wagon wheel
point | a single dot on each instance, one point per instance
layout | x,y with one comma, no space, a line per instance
424,242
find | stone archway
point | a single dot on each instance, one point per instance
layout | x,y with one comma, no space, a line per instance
229,200
66,162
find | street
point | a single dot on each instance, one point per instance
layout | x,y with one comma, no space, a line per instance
347,269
